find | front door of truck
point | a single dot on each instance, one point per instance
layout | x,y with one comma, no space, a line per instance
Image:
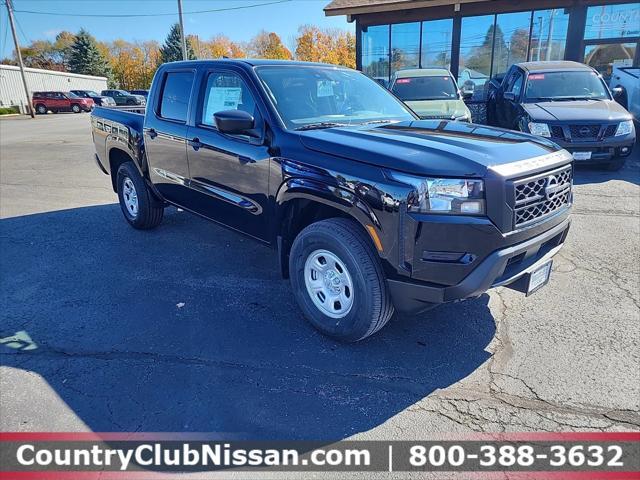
229,173
165,134
509,98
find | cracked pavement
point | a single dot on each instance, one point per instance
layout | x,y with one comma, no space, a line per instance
101,343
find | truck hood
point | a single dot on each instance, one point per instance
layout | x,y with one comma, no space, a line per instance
578,110
448,109
428,147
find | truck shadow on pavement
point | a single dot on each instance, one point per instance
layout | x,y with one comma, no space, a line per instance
190,328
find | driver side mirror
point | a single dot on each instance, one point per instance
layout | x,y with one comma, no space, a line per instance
509,96
617,92
466,94
235,122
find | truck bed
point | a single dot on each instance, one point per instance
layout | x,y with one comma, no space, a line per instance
116,128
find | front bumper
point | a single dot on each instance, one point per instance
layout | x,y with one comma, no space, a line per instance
602,150
503,267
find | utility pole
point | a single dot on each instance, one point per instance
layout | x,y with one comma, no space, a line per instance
182,37
19,55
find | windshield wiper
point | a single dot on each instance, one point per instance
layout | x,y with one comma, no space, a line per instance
318,125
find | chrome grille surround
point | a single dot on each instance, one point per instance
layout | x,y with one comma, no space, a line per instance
541,195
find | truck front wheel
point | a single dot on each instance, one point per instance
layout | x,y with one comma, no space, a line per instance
138,205
338,281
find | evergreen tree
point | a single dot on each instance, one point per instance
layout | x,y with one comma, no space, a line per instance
171,51
86,58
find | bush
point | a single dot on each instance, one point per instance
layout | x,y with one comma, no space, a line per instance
9,110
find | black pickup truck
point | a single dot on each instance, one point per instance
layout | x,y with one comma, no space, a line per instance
567,102
370,209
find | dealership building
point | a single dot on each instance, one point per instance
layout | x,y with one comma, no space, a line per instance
480,39
12,89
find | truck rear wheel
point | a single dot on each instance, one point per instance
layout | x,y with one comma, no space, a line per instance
138,204
338,281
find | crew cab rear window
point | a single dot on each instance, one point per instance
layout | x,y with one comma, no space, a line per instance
175,96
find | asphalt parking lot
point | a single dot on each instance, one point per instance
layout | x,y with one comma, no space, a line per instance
190,328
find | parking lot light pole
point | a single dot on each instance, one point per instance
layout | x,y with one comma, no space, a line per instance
19,55
182,37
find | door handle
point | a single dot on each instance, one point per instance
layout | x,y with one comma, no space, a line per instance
152,133
195,143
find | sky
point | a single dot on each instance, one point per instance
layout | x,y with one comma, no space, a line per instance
240,25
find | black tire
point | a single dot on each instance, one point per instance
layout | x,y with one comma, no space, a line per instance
41,109
616,164
75,108
372,307
149,210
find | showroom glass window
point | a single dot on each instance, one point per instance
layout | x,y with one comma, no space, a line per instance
549,34
511,41
612,33
436,43
476,43
375,51
405,46
613,21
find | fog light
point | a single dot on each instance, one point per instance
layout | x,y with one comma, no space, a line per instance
471,207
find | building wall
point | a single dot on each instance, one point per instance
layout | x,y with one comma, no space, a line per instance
12,90
588,31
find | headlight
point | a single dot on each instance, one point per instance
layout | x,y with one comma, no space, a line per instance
457,196
541,129
624,128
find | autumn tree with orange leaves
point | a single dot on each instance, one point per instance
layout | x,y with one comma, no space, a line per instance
219,46
268,45
334,46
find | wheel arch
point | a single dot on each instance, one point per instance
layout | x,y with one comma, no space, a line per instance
118,156
301,202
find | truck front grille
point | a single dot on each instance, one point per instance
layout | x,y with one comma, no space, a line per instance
584,131
541,195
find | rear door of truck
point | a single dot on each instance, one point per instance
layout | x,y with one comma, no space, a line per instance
165,134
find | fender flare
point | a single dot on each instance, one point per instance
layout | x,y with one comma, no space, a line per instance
330,195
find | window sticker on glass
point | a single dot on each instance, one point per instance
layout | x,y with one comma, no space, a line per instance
222,98
325,89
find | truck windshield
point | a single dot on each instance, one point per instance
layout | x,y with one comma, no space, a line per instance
559,86
425,88
324,97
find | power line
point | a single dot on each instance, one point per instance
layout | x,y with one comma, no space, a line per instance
133,15
26,39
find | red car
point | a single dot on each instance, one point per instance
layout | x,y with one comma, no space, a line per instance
60,102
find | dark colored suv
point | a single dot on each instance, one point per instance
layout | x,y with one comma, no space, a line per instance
122,97
60,102
99,100
567,102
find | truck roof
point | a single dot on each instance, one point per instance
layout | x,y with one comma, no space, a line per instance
422,72
254,62
552,65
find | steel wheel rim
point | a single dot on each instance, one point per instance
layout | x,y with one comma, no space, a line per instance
130,196
329,283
